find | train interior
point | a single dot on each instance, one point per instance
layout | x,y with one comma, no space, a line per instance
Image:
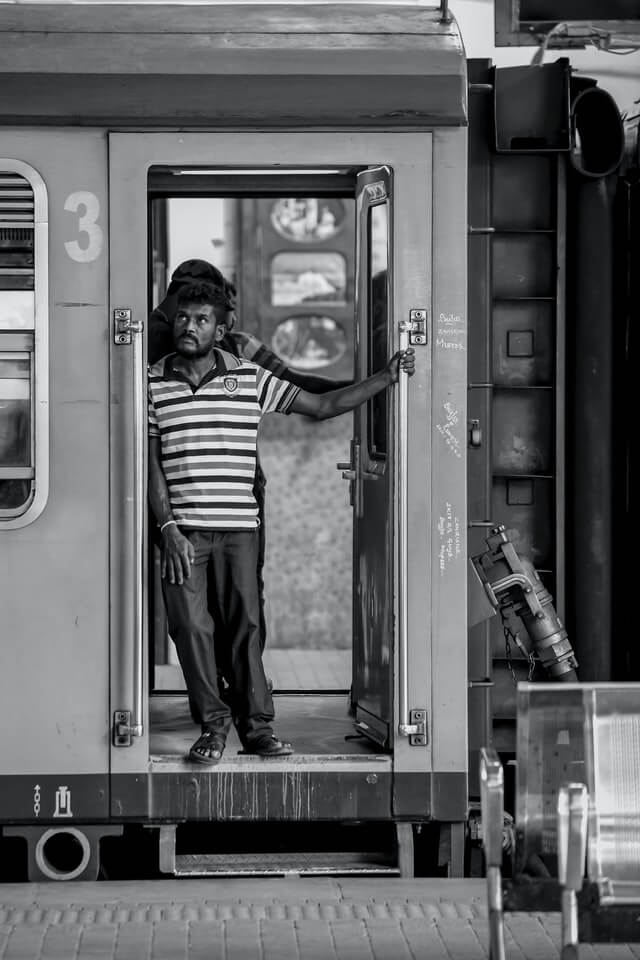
290,250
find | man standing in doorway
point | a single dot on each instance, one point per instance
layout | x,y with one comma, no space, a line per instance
204,410
240,344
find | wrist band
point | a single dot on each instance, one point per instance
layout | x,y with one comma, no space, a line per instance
167,523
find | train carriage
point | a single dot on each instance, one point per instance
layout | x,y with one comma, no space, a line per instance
109,112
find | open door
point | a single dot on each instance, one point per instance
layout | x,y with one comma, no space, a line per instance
371,468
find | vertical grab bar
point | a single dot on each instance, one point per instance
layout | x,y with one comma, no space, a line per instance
138,525
137,728
404,725
127,723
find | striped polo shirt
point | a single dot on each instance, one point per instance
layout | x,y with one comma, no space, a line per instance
208,437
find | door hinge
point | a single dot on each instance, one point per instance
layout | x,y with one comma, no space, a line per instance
121,732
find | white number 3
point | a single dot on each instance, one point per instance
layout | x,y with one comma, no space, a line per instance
91,248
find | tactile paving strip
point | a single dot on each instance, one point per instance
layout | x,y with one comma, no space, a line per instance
271,919
205,913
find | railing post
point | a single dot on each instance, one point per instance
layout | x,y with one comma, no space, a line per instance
492,804
573,802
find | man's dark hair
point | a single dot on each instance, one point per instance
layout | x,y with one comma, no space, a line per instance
204,293
192,271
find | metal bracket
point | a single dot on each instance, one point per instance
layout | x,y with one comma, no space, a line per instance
416,327
122,728
475,433
124,326
416,729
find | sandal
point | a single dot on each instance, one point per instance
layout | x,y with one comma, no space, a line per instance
208,748
267,745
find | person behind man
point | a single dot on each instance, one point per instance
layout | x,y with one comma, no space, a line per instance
238,342
205,406
241,344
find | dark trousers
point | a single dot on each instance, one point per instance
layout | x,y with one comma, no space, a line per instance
259,491
223,579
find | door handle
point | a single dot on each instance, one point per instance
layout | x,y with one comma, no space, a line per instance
347,471
351,471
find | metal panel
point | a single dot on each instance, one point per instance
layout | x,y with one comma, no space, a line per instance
54,573
522,432
516,366
272,101
523,344
526,507
523,266
514,208
279,65
60,796
448,517
412,287
261,39
293,794
302,19
589,734
479,398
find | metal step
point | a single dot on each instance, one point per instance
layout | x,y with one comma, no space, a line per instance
283,864
187,861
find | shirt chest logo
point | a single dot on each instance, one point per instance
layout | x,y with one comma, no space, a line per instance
230,385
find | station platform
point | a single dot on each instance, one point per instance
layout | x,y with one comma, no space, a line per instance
270,919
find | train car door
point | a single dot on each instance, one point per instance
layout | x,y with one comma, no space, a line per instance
131,157
370,470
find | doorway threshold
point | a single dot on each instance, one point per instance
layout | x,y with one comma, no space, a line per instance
319,726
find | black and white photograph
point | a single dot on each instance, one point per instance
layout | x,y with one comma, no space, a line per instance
318,323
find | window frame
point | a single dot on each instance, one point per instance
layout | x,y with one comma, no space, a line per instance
14,518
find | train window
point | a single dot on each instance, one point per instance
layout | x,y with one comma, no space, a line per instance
308,278
378,345
308,219
23,325
308,342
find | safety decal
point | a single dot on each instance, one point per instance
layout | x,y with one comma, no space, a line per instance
63,802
